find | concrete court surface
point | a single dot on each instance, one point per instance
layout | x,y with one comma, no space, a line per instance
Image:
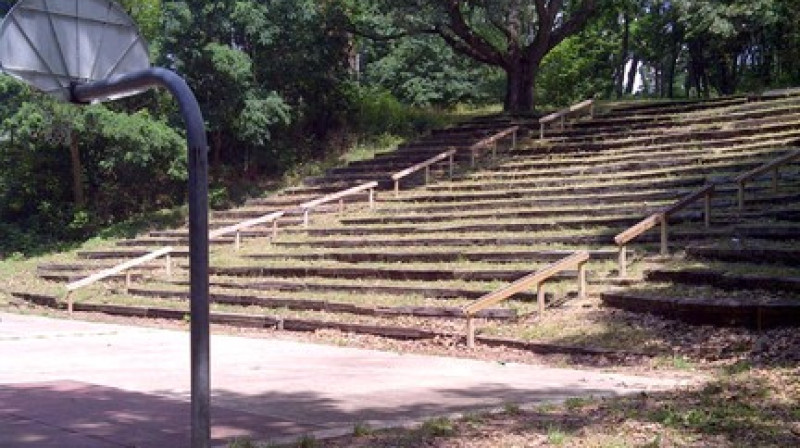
67,383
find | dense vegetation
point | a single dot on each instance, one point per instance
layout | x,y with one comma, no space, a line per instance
282,82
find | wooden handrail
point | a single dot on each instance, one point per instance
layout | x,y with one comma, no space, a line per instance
237,228
773,165
578,259
564,112
491,142
105,273
449,154
306,207
660,218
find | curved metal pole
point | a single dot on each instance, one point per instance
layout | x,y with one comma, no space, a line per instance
198,222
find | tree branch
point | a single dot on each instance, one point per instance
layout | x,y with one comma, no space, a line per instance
459,28
575,23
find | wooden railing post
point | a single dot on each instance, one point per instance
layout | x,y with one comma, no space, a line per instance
664,230
537,279
427,174
540,297
470,331
341,205
168,265
305,218
397,188
541,131
452,164
237,241
741,195
274,229
127,280
69,302
707,210
775,175
514,140
371,198
582,280
623,261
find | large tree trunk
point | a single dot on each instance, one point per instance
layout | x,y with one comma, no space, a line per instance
520,79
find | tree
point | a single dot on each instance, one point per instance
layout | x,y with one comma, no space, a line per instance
513,35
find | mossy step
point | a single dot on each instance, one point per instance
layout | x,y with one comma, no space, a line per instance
704,311
328,306
400,288
730,120
508,226
659,162
651,178
310,325
724,195
634,143
239,319
421,255
527,193
643,209
72,276
749,254
640,196
554,161
465,241
81,267
126,254
724,279
182,240
377,272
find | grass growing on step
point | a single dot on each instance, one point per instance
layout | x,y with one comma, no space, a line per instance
681,291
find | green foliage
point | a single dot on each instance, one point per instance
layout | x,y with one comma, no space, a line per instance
116,151
378,112
438,427
581,67
361,430
423,71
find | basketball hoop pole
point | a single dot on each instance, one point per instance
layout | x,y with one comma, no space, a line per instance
198,222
